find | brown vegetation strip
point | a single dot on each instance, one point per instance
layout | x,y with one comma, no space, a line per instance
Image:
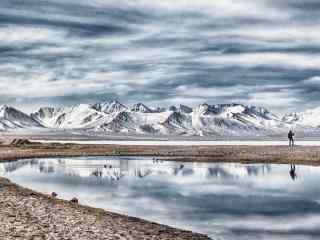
309,155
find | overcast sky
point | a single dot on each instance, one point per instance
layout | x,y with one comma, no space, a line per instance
258,52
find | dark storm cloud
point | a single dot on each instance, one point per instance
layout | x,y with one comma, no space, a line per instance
299,5
257,52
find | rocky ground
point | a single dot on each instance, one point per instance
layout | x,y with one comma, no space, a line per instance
25,214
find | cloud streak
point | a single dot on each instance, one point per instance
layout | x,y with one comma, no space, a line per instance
62,52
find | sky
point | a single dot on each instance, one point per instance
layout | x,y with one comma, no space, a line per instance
63,52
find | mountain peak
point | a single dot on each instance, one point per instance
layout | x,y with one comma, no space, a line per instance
310,118
185,109
182,109
140,107
11,118
109,107
3,109
6,110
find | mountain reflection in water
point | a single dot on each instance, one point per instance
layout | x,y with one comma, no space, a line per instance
224,200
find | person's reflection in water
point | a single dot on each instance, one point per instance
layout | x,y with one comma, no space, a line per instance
292,172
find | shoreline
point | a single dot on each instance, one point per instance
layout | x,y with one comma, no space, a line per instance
27,214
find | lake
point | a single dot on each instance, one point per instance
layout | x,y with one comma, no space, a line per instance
224,200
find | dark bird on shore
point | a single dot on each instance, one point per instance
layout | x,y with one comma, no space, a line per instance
54,194
74,200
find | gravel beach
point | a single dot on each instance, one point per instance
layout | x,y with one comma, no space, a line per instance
25,214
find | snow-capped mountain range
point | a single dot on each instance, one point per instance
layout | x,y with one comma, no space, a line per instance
203,120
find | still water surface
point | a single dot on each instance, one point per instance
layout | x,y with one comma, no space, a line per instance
223,200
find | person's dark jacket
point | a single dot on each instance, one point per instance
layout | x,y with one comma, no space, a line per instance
290,135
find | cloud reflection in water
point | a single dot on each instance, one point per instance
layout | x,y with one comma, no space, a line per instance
224,200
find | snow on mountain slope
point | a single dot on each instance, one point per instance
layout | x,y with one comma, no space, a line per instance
167,122
140,122
181,109
115,117
140,107
233,119
109,107
309,118
11,118
222,120
184,109
121,122
73,117
179,123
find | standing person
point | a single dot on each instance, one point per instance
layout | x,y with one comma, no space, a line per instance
290,137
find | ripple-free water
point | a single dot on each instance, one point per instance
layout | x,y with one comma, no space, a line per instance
223,200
